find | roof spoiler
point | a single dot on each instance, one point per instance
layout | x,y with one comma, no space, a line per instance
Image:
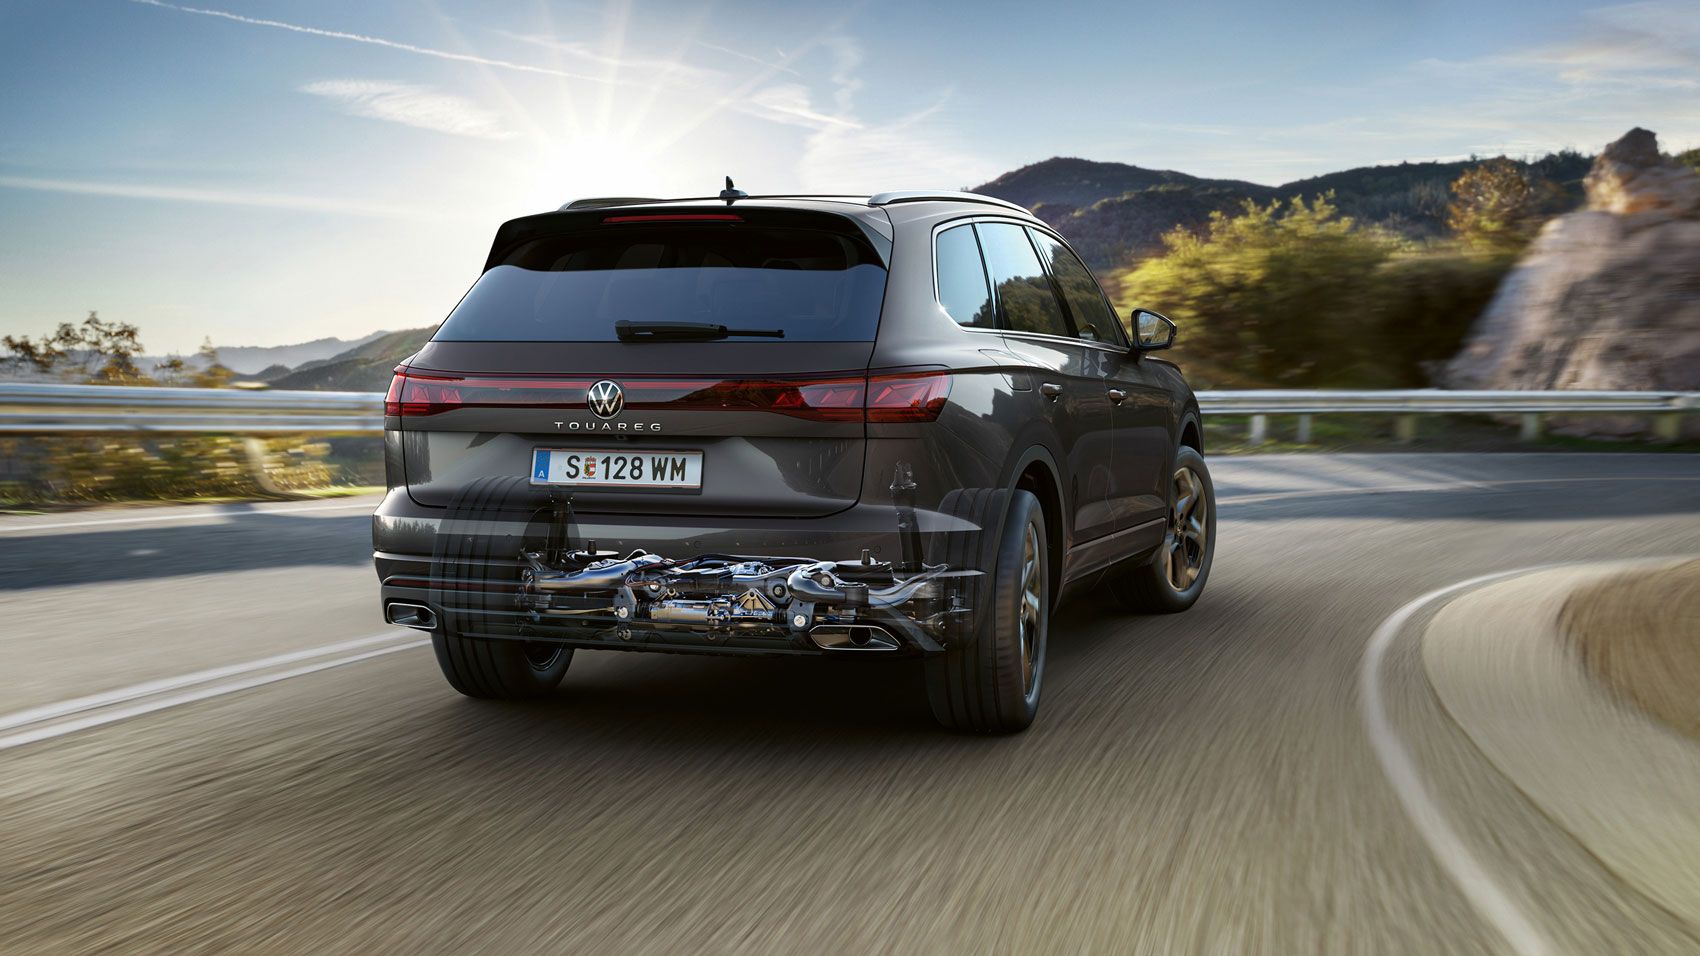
603,202
583,213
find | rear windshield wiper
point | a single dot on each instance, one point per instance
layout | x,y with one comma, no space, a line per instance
685,331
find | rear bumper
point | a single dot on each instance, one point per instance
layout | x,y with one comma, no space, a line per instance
403,528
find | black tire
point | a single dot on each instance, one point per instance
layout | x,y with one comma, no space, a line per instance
983,682
478,543
1151,587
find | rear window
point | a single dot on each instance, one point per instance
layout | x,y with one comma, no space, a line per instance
815,285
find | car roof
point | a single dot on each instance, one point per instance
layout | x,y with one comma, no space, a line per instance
834,202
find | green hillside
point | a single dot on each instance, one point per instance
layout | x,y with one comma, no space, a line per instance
1114,212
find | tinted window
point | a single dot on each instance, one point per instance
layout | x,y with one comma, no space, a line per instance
817,286
1024,291
1093,318
962,278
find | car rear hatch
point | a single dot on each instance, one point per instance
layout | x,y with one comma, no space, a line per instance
736,343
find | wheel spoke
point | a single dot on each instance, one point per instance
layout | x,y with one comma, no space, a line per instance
1031,606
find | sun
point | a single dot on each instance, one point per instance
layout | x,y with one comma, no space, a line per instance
607,163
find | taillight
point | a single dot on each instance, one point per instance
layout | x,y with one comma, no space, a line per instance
392,398
901,397
908,397
414,395
830,400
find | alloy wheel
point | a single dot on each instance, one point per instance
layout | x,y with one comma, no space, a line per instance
1189,529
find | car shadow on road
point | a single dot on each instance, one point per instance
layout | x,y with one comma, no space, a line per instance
660,700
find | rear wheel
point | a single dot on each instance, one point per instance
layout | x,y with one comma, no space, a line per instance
1174,577
474,570
989,676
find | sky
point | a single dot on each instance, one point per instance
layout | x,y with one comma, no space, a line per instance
263,172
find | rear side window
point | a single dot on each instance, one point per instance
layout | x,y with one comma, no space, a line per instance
1024,290
1093,318
962,278
814,285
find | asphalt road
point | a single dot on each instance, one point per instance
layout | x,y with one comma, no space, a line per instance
1199,783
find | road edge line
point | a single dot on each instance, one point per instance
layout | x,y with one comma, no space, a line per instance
1424,812
45,712
202,693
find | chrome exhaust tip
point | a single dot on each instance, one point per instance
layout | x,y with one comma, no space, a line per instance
416,616
853,637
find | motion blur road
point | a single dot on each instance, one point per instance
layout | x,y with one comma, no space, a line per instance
1200,783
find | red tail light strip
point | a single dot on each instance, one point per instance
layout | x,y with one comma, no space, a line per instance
899,397
677,217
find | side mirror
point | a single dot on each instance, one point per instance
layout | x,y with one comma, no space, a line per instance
1152,331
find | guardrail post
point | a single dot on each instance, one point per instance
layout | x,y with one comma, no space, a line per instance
1259,430
1304,430
1668,426
254,451
1405,429
1531,430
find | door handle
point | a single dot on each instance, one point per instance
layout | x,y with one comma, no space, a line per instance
1117,395
1050,390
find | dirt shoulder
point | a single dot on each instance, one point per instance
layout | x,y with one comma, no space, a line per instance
1639,634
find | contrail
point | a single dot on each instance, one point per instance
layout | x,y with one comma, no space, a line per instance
374,41
218,196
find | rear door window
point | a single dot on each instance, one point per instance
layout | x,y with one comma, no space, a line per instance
1093,318
1024,290
962,278
814,285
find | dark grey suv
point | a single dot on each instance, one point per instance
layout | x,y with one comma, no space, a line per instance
899,425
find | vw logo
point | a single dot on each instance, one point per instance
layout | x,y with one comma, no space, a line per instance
606,399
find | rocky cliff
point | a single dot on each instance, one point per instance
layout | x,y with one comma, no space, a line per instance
1607,297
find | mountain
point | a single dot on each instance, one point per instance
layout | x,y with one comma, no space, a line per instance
251,359
363,368
1067,181
1607,297
1114,212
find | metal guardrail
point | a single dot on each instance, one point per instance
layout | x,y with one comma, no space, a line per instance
45,408
37,408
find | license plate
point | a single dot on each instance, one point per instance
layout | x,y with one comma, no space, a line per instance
609,469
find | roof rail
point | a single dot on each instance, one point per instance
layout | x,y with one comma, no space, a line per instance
927,195
606,201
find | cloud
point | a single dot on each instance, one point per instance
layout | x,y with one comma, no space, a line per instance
777,66
674,68
226,197
416,106
372,40
790,102
845,152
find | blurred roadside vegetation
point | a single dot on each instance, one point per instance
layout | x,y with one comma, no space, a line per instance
1293,294
51,469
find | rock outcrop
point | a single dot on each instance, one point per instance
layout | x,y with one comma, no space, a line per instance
1605,298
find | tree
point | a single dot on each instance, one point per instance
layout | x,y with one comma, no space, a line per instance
1498,206
1690,158
1275,296
95,351
212,374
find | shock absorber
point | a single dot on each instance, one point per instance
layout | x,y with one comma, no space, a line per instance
560,521
908,531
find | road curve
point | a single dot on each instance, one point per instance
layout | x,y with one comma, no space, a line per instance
1198,783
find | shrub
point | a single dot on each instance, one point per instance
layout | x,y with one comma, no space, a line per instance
1293,295
1270,297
